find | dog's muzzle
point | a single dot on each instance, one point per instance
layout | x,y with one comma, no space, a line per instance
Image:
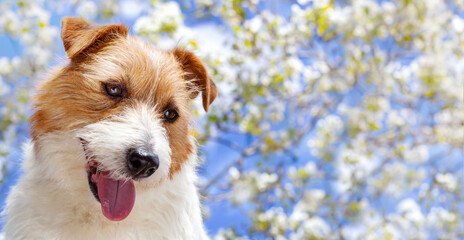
117,196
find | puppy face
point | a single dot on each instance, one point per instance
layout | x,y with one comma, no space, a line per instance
127,103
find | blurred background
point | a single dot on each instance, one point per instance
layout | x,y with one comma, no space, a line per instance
335,119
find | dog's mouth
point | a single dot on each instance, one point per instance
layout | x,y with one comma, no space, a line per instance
92,170
116,197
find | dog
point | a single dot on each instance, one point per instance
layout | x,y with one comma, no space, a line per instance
111,154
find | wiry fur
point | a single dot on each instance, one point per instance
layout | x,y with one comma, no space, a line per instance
52,199
137,127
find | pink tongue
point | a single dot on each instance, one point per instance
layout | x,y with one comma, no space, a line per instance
117,197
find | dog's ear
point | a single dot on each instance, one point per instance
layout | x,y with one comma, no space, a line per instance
79,35
196,76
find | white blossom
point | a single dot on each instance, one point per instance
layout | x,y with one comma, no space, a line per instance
439,217
418,154
410,210
447,180
320,3
88,10
314,227
5,66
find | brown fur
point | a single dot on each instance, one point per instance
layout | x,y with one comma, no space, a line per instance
74,97
78,35
196,71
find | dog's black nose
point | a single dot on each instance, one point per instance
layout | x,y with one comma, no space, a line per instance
141,165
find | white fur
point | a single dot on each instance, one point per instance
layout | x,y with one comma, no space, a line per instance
140,128
52,200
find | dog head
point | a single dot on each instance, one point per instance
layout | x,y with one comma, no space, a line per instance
127,103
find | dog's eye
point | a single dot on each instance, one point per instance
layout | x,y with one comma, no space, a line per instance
114,90
171,115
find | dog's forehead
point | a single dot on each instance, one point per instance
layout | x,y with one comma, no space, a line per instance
148,72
